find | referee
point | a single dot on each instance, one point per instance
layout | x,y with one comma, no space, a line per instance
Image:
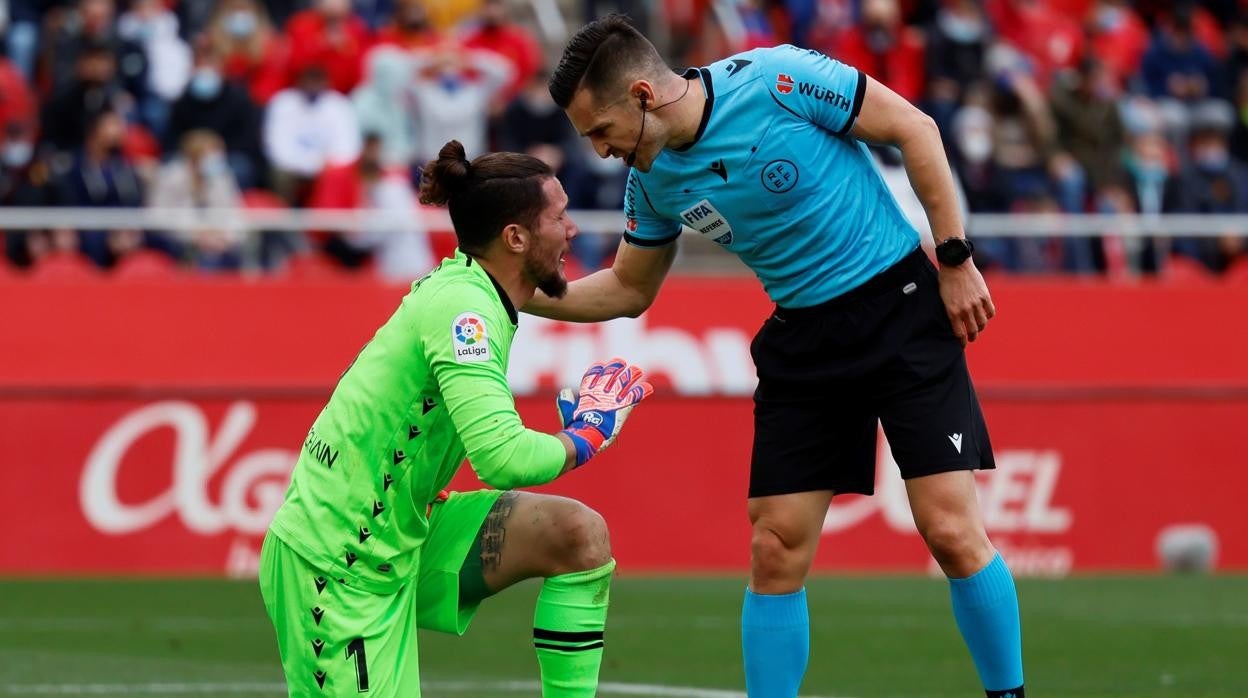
763,153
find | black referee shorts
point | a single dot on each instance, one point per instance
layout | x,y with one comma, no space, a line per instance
884,351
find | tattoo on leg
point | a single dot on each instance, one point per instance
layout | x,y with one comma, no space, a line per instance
494,530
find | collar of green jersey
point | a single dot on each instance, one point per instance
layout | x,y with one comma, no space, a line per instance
502,295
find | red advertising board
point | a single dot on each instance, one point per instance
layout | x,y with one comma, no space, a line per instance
151,428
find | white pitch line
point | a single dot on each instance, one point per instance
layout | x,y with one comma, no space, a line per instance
610,688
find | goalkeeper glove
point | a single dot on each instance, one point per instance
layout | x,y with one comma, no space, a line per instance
609,391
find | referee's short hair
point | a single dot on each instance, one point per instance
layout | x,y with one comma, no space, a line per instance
602,56
485,195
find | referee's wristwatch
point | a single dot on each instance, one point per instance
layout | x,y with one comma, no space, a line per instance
954,251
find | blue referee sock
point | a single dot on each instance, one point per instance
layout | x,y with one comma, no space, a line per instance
985,606
775,641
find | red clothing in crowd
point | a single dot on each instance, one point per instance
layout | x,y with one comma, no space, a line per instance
517,46
339,50
900,66
17,102
265,74
1075,9
1121,45
410,39
1051,40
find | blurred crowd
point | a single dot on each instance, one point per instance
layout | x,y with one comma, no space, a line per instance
1078,106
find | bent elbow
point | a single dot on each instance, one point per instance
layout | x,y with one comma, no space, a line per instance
639,304
635,311
922,125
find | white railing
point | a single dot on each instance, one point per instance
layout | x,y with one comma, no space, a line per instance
594,222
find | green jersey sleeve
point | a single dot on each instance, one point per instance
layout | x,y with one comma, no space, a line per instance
466,340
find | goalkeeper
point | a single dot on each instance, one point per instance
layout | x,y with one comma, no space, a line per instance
365,548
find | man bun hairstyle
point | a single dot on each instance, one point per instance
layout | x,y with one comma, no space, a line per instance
446,176
484,195
600,57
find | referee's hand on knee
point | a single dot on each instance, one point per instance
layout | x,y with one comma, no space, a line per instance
967,301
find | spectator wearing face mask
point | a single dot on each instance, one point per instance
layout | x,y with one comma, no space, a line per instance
884,48
251,52
1211,182
17,150
93,90
1149,162
956,42
212,103
328,35
199,177
306,128
102,176
152,26
1118,38
493,30
93,24
452,93
973,163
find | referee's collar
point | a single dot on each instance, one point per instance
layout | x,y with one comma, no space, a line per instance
502,294
705,74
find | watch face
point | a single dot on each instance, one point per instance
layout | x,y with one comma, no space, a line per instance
953,251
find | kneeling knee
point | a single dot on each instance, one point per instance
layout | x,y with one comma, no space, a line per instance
584,543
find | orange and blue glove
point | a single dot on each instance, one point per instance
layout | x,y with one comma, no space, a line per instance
594,417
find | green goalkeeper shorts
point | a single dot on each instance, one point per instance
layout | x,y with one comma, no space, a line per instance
335,640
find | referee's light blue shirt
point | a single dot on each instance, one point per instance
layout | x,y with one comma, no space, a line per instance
774,177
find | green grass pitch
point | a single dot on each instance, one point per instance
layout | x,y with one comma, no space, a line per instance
871,637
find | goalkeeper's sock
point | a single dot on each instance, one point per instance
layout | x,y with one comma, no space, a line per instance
775,642
568,629
985,606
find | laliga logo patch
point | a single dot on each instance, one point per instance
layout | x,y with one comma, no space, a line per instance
784,84
631,225
594,418
704,218
469,338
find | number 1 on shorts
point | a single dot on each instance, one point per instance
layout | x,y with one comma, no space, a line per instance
361,663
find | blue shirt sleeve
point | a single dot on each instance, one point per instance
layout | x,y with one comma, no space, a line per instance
814,87
643,226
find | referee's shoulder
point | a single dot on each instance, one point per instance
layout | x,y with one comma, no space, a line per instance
739,67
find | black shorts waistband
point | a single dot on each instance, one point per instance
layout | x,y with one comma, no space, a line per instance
895,276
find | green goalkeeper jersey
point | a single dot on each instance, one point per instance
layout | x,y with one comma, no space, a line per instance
428,390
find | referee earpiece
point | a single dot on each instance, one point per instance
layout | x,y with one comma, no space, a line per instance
632,157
